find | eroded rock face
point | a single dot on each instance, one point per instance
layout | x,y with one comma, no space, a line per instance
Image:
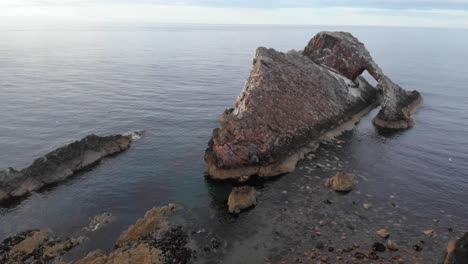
151,240
346,55
35,246
242,198
457,251
60,164
287,105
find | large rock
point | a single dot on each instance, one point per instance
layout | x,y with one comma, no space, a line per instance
35,246
345,54
288,104
60,164
151,240
457,251
242,198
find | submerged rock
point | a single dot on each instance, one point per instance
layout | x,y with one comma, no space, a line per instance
242,198
457,251
35,246
346,55
151,240
288,105
99,221
341,182
60,164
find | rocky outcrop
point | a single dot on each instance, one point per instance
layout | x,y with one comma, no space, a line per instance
345,54
35,246
341,182
60,164
457,251
288,104
151,240
242,198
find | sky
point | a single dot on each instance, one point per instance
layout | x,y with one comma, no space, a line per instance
410,13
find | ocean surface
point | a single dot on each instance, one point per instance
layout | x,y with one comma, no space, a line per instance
60,84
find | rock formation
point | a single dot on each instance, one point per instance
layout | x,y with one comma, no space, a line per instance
241,198
457,251
294,100
343,53
35,246
60,164
341,182
288,104
151,240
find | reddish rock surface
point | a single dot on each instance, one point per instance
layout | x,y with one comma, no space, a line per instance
345,54
288,103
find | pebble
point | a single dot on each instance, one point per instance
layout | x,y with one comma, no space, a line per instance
429,232
391,245
366,206
383,233
379,247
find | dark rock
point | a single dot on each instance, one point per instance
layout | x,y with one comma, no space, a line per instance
346,55
60,164
417,247
378,247
287,107
457,251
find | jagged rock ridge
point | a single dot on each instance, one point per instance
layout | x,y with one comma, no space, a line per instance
60,164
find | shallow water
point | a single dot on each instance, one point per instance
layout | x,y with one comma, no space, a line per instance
58,85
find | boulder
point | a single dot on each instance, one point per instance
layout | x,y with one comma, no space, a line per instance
457,251
288,106
60,164
242,198
345,54
341,182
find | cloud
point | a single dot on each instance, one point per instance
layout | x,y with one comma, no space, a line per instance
31,13
265,4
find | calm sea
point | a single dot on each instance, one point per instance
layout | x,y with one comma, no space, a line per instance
60,84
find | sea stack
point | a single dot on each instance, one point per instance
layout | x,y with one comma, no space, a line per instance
61,164
293,100
346,55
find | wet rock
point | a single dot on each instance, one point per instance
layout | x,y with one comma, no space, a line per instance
341,182
35,246
378,247
457,251
429,232
153,221
99,221
346,55
417,247
60,164
391,245
151,240
287,107
241,198
383,233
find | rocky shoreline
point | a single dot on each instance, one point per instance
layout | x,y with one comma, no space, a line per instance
61,164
